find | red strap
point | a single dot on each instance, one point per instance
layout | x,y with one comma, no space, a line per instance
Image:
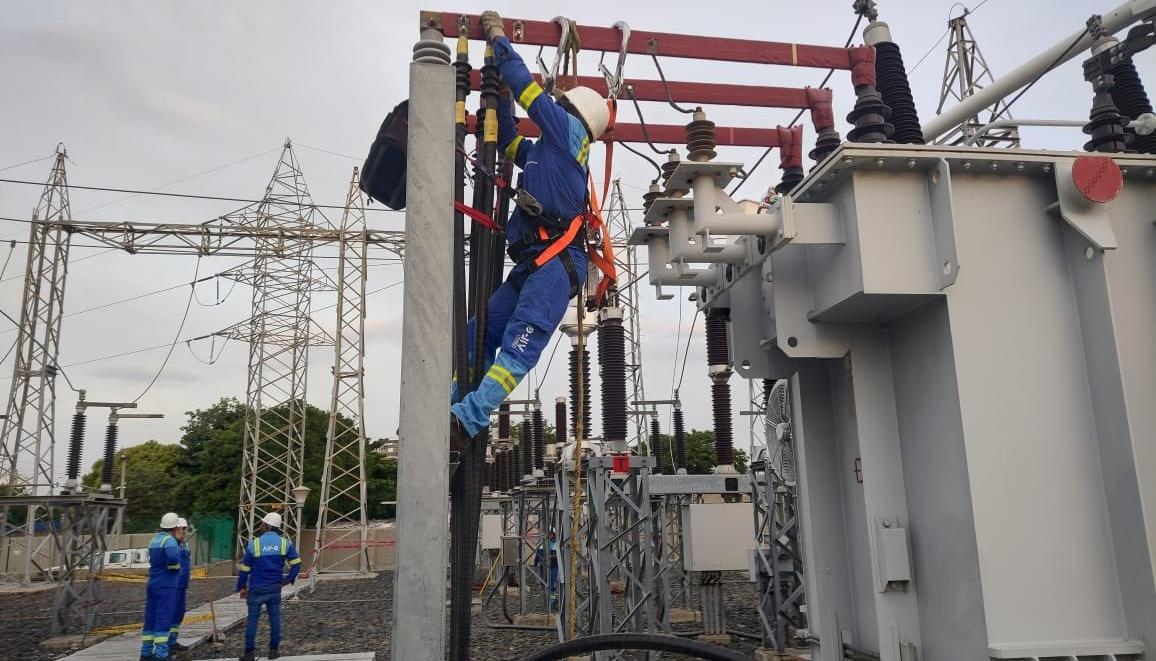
479,217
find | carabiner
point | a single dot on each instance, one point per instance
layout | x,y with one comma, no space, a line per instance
614,81
550,74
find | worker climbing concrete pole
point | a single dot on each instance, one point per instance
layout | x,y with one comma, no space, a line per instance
546,232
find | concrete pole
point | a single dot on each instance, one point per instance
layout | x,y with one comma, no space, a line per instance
1067,48
419,623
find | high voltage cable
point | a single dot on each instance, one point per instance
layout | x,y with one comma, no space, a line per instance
177,335
35,160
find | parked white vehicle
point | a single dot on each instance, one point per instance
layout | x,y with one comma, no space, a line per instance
127,559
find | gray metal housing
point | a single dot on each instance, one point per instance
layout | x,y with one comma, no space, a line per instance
970,344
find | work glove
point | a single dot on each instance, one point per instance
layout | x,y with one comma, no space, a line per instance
244,593
492,25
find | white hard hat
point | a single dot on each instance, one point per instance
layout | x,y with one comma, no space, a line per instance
272,519
591,108
182,523
170,521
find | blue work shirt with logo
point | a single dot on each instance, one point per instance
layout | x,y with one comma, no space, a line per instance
164,561
265,559
186,566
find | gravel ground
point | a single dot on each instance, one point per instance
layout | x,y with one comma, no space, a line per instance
24,616
341,616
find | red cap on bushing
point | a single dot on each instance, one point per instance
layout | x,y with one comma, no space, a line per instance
822,113
1098,178
790,146
862,65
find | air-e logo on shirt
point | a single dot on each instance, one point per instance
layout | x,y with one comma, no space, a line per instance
270,549
523,340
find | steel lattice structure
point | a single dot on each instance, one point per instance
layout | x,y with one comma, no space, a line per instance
626,261
279,337
341,516
28,436
964,73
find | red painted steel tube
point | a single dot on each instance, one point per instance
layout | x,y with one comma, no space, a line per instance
608,39
670,134
761,96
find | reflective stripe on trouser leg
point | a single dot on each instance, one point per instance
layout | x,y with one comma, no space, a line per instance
475,408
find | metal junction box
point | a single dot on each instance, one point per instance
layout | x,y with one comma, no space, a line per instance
971,343
717,536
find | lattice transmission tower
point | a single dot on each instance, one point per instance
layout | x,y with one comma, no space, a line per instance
29,429
341,518
964,73
279,333
626,261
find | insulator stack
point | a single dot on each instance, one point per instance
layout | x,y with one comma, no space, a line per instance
488,476
700,138
679,439
823,120
515,464
560,431
76,447
1132,101
790,158
652,194
656,446
526,443
668,168
110,436
1106,126
895,90
612,368
718,366
511,468
768,384
870,116
538,437
580,364
499,468
504,420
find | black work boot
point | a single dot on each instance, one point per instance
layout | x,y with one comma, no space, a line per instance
273,653
248,656
178,648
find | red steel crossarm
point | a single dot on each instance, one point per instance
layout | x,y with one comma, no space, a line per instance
697,47
760,96
667,134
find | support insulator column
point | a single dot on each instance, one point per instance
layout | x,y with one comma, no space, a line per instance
656,446
679,439
719,369
790,158
1106,125
612,369
823,119
76,446
526,444
504,421
560,421
110,436
894,88
1131,99
538,438
579,364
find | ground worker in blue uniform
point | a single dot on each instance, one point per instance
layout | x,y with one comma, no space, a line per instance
182,535
545,232
164,572
260,580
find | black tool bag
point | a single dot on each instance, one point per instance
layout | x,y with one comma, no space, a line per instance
383,175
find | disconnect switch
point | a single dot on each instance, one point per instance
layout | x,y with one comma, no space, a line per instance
892,556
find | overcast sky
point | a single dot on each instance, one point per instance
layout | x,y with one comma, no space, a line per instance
198,98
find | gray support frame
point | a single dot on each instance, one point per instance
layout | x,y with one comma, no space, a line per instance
419,623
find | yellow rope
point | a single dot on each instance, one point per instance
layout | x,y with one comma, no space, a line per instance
490,574
576,487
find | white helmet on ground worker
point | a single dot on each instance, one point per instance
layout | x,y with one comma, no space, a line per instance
169,521
272,519
591,107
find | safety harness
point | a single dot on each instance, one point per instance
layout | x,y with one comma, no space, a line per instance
559,234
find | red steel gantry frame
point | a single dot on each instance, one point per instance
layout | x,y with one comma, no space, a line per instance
609,40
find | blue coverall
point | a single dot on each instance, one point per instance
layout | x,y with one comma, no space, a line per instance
164,572
265,558
525,311
182,594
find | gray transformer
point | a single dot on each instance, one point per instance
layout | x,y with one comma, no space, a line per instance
971,343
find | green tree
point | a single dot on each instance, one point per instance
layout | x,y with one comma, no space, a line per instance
152,478
700,455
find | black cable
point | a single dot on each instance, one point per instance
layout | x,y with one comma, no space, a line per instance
177,335
642,122
830,72
650,160
666,86
1007,106
636,641
685,353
